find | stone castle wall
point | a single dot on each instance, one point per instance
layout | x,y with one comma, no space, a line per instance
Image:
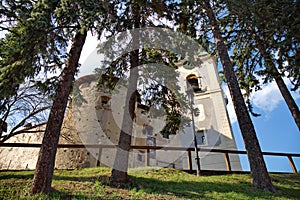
97,119
17,158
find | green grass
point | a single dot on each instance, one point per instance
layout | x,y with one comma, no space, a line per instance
146,183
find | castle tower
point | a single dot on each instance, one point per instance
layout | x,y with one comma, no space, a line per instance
212,126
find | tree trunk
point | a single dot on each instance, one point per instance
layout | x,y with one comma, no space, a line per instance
294,109
260,176
45,164
119,171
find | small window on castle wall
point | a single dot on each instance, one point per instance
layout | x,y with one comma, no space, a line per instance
200,137
140,157
147,130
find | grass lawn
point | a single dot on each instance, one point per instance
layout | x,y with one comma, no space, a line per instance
146,183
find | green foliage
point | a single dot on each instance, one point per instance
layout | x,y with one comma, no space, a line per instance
152,92
146,183
35,37
273,26
24,56
189,18
87,14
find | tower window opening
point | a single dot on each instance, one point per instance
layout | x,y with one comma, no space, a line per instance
194,83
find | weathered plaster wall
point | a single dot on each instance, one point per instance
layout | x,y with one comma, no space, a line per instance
98,120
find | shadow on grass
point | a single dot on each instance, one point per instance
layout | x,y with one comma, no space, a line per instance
16,176
92,179
102,178
56,194
204,189
290,179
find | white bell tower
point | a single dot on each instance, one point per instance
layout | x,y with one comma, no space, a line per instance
212,125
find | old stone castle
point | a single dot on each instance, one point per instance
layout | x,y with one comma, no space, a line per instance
98,120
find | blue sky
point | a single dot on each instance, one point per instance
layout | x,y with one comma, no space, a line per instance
275,128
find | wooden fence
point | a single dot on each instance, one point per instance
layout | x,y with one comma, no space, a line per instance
226,153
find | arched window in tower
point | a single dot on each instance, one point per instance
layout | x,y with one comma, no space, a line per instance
104,100
194,82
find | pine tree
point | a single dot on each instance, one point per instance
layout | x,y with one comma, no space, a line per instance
259,173
262,29
45,164
92,14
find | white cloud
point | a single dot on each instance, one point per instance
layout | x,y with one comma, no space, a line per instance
267,99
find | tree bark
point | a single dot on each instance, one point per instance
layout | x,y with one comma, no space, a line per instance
46,160
294,109
259,173
119,171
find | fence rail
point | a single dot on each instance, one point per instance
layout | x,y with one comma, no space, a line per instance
164,148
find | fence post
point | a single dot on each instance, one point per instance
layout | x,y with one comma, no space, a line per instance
190,161
148,157
293,166
227,160
99,156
